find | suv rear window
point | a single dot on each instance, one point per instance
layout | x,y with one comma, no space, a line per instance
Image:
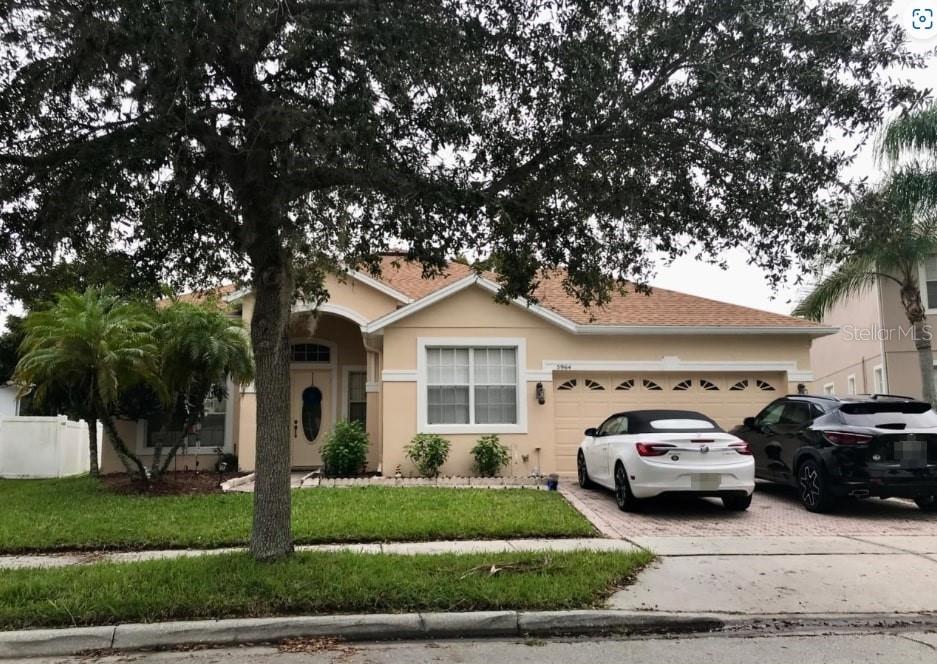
889,414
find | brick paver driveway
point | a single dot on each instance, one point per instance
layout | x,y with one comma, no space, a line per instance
775,510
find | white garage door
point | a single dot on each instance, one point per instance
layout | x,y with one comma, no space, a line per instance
584,400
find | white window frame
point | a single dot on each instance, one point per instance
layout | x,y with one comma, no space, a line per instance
851,384
346,402
233,393
922,287
422,384
829,389
882,387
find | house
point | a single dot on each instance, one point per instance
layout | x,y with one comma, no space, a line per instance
405,354
873,351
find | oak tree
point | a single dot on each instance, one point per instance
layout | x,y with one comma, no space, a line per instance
270,140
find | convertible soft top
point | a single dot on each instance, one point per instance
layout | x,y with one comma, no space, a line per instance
639,421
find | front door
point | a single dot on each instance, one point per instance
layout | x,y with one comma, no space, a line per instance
310,415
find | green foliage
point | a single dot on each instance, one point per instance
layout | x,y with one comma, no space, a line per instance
82,351
233,585
94,355
914,131
490,456
345,450
10,341
553,123
91,339
200,349
428,452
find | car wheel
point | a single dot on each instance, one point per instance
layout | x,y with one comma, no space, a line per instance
737,503
927,503
623,496
814,488
582,472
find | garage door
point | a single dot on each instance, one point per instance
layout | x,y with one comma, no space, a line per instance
583,400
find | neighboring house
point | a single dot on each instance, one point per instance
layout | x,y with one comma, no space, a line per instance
404,354
873,351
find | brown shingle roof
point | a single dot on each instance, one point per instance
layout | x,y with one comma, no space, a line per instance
407,277
661,307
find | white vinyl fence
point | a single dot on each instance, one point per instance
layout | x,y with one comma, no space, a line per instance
44,447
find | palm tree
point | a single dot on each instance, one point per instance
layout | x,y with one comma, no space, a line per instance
893,234
91,346
199,349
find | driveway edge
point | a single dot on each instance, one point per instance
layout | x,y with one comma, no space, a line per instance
370,627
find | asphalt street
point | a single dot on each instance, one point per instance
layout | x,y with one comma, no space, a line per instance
867,648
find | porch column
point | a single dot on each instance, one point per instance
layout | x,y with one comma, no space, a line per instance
374,420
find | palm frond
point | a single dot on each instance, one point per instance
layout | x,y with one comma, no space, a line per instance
852,277
914,131
913,188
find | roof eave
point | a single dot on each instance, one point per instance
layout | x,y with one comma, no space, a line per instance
624,330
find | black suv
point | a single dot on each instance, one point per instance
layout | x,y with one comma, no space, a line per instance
831,447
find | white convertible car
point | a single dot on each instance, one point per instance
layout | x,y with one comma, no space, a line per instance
645,453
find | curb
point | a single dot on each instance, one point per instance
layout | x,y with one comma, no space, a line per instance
371,627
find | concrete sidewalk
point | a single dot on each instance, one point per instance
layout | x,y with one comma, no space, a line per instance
399,548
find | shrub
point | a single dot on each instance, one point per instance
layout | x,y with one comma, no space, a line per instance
490,456
345,450
428,452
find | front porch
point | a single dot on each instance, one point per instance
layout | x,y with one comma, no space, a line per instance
333,377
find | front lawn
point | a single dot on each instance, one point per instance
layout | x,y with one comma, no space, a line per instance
233,585
77,513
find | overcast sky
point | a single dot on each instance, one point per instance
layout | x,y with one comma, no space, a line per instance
745,284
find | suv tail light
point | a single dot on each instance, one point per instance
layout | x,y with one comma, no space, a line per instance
846,438
652,449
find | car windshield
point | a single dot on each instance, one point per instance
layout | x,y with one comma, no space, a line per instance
688,425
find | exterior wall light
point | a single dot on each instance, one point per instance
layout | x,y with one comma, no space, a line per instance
541,396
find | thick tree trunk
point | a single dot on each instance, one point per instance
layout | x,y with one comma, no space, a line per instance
271,536
93,446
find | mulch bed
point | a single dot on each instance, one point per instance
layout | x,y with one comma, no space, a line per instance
172,484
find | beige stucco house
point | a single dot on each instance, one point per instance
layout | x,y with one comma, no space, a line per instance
873,350
404,354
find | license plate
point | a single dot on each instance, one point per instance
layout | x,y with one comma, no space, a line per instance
705,482
911,453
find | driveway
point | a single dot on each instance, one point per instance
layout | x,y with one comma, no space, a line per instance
775,511
874,556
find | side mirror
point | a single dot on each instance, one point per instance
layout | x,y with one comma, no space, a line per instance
749,422
591,432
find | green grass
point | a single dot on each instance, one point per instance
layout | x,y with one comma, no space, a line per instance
78,514
233,585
